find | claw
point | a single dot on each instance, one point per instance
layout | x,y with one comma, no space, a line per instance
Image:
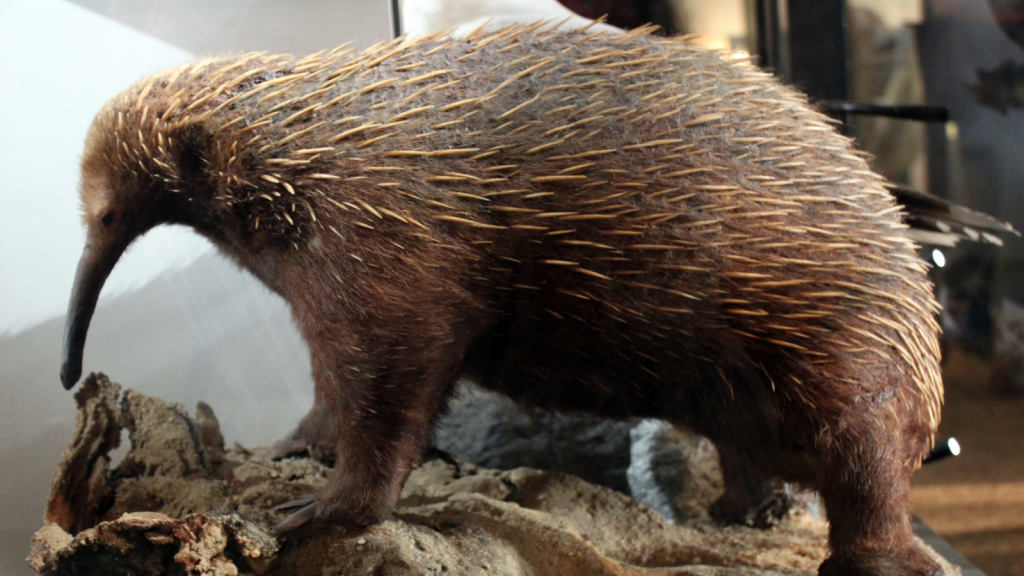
293,504
285,448
297,519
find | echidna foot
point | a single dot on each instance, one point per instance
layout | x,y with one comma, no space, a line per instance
911,562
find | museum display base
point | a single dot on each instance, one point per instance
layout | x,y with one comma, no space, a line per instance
179,503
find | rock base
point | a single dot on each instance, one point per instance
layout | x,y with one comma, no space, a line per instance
179,503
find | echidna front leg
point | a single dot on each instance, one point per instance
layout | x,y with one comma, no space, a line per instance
382,395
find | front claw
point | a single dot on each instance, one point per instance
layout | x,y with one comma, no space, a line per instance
300,443
300,502
315,435
307,509
286,447
296,519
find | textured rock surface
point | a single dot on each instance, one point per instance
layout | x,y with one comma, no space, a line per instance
180,504
672,471
492,431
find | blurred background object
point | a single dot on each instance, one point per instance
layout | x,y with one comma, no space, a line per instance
1009,14
427,16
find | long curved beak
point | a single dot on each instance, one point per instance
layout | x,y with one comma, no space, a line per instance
98,259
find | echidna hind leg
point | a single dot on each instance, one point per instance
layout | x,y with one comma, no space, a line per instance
753,495
866,487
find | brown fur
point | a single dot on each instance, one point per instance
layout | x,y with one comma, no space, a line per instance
627,226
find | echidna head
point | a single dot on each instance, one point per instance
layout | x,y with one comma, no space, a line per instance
134,176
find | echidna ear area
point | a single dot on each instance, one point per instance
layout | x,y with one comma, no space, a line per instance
653,165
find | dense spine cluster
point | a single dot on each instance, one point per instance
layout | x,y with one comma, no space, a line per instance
613,180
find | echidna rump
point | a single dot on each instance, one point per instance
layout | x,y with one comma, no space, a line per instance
624,225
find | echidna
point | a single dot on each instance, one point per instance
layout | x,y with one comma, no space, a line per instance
623,225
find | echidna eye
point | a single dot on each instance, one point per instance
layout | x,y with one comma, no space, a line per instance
108,219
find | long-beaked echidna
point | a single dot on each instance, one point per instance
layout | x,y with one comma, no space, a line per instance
623,225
